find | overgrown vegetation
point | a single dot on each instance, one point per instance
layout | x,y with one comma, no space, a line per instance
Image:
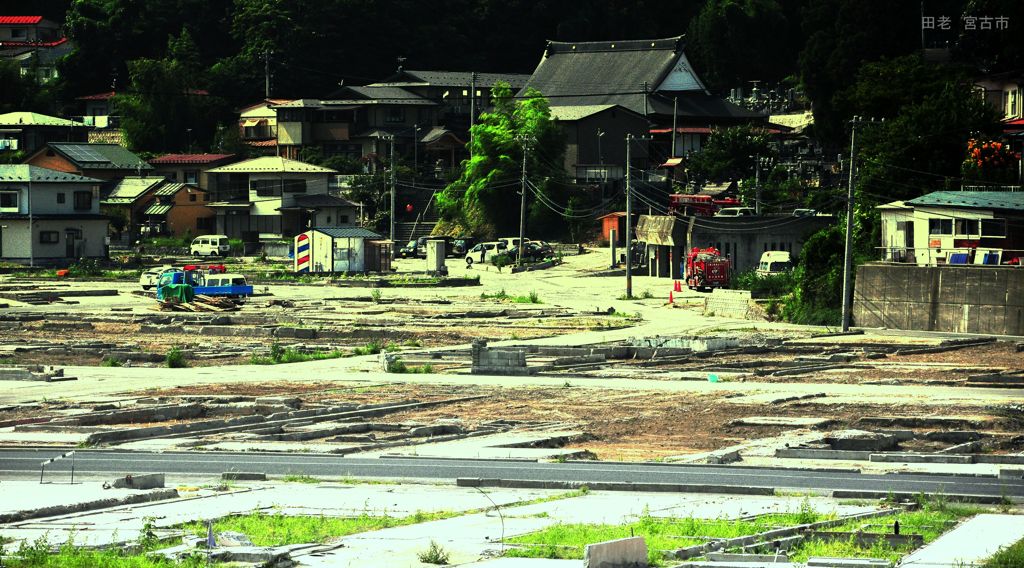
435,554
768,286
175,358
399,366
1010,557
569,540
42,554
274,529
279,355
503,296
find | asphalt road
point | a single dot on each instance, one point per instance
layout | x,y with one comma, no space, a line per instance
25,464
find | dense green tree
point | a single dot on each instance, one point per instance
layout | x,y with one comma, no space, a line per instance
165,110
484,200
729,154
734,41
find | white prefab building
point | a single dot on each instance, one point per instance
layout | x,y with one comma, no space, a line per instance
340,249
954,227
49,216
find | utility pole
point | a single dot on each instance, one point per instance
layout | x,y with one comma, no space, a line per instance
757,184
848,254
675,117
266,73
472,103
391,167
522,207
629,220
415,150
31,237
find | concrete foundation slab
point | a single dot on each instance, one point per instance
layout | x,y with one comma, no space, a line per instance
969,544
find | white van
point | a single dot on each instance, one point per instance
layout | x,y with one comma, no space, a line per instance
736,212
210,245
482,252
774,262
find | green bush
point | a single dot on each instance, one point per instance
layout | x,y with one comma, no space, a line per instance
176,358
434,555
110,362
770,286
501,260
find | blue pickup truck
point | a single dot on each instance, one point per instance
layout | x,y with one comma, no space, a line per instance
223,285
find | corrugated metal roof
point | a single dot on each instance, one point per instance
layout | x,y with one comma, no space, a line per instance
169,189
452,79
275,164
35,119
348,232
576,112
157,209
322,200
22,173
131,188
1010,200
20,20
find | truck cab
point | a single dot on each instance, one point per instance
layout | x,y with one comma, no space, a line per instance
774,262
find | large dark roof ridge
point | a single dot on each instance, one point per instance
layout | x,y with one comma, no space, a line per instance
669,43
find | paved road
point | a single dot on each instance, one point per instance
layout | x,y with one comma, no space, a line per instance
25,464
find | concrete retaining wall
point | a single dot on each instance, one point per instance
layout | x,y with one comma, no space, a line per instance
728,303
961,299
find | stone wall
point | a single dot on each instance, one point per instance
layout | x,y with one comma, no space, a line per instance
491,361
960,299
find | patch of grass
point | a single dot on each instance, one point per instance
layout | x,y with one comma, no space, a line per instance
280,355
1011,557
41,554
647,295
299,478
413,343
568,540
375,295
278,530
372,348
935,517
110,362
434,554
503,296
399,366
176,358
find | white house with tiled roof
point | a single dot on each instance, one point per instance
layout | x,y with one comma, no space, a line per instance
268,198
48,216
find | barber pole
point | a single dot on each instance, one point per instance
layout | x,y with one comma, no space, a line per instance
302,253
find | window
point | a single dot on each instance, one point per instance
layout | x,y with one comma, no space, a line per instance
993,227
967,226
60,198
191,176
83,200
394,114
267,187
19,33
940,226
294,185
9,200
191,197
49,237
341,219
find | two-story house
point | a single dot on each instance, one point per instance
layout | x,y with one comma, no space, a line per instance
191,168
49,216
257,125
148,206
34,43
273,197
98,112
28,131
100,161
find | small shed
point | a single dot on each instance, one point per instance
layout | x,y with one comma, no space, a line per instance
338,249
615,221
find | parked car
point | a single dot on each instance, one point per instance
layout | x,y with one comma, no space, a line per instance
511,242
535,250
774,262
482,252
805,212
150,277
461,245
736,212
408,251
210,245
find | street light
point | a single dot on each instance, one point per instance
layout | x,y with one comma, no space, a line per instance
600,156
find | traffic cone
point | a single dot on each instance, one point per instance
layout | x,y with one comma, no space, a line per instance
670,299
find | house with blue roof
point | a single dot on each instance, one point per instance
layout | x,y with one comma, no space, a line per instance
955,227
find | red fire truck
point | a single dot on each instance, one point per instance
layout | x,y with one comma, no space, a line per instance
706,268
698,205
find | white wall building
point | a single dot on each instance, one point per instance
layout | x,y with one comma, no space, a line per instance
63,210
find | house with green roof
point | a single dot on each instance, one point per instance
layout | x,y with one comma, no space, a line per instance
955,227
101,161
49,216
28,131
